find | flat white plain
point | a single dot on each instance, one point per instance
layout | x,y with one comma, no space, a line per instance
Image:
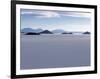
54,51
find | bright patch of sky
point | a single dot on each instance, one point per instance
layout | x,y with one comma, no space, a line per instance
51,20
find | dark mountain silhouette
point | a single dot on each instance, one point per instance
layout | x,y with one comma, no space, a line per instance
67,33
31,33
86,32
46,32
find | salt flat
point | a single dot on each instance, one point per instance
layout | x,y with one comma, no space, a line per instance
54,51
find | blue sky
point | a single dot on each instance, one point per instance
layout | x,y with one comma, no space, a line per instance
51,20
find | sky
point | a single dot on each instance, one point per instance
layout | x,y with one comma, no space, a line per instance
51,20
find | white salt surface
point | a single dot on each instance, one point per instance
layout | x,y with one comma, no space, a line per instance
54,51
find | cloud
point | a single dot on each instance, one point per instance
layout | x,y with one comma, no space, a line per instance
77,14
26,12
48,14
55,14
42,14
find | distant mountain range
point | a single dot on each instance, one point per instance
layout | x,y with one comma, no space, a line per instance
46,32
30,31
26,30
